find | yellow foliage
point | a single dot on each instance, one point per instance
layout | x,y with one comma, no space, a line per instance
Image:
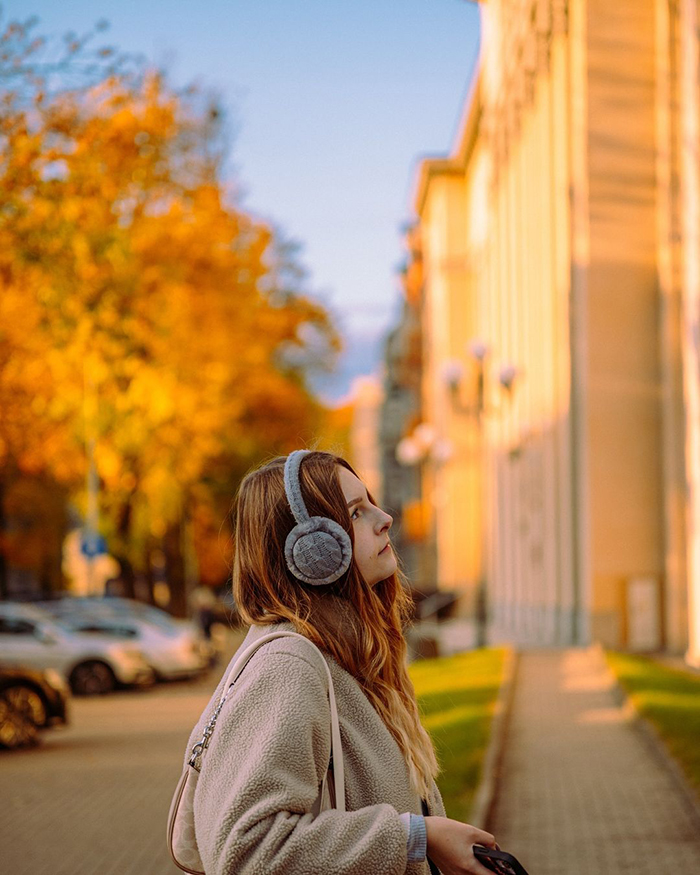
108,464
136,306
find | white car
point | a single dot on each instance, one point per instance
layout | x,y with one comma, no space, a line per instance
173,648
91,664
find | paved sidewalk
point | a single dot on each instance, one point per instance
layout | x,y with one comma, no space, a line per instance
580,792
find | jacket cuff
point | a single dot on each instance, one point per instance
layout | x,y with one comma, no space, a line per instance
416,837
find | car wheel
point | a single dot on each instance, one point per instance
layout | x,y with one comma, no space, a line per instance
92,678
22,712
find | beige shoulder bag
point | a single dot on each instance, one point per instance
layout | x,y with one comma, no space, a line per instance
182,842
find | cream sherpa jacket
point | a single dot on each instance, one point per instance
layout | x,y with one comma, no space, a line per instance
267,757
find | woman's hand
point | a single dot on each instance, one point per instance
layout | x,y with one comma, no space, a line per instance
450,846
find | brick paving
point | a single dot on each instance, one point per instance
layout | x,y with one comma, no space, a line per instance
580,791
93,798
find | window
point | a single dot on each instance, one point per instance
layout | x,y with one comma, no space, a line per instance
15,626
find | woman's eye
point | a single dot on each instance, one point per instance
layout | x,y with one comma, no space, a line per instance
356,511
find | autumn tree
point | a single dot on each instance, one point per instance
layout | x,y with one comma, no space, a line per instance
145,316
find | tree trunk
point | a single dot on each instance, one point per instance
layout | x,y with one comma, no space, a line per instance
148,576
175,570
3,561
127,578
126,568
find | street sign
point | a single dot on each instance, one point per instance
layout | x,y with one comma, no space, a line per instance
92,544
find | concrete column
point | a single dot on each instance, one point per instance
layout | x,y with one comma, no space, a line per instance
690,194
560,254
670,318
581,594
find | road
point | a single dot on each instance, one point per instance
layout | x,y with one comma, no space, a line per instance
94,796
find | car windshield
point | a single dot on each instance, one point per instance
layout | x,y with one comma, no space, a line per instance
33,616
139,611
111,611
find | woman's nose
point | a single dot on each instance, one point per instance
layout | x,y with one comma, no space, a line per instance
386,521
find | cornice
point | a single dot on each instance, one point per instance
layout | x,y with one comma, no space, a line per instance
455,163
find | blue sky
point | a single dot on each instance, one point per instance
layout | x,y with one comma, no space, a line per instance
332,102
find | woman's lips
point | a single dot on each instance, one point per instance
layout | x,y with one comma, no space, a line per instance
384,549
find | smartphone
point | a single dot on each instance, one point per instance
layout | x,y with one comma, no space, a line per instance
498,861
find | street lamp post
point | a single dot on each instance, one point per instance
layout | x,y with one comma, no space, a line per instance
479,351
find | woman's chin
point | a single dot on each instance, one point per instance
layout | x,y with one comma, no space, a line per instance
389,565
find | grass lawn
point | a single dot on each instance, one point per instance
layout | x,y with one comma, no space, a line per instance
670,699
456,696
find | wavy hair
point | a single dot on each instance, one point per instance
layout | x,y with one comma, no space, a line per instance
359,625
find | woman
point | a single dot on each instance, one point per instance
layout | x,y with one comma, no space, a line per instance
271,746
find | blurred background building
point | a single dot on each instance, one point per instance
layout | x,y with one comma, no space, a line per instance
365,401
542,386
403,493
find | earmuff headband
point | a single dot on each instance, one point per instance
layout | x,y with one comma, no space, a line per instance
292,485
317,550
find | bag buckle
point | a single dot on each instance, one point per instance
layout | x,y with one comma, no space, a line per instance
195,755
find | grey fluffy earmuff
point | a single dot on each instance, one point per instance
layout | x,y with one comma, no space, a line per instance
317,550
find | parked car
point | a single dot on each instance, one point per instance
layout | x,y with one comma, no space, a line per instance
29,701
173,648
92,664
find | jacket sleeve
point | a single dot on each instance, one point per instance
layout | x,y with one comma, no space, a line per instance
261,776
437,806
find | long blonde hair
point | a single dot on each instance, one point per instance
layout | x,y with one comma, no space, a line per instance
360,626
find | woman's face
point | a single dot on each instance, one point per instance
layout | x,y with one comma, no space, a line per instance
373,552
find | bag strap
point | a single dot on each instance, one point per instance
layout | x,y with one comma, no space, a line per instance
336,762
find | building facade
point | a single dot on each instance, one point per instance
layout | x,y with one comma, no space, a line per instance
560,326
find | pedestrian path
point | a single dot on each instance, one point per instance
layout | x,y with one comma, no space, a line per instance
580,791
